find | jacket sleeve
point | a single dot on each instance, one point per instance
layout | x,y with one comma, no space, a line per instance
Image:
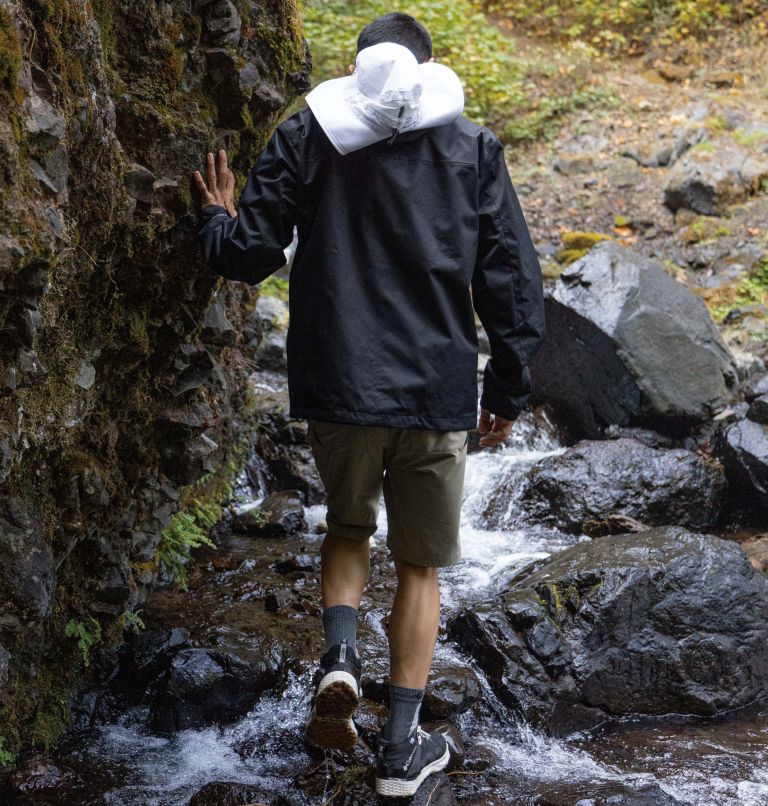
507,289
249,247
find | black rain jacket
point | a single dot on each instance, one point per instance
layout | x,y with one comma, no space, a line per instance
391,238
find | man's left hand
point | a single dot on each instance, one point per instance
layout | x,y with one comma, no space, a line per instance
496,433
220,186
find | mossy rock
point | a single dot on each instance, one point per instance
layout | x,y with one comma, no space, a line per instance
576,244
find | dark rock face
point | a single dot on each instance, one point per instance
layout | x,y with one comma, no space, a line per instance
743,448
122,360
615,355
660,622
203,686
595,481
224,793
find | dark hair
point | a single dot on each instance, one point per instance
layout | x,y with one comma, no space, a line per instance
400,28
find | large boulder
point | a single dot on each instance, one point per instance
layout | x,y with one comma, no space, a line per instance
203,686
594,481
628,345
667,621
713,176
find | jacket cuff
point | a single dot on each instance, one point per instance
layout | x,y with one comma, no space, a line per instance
499,405
211,211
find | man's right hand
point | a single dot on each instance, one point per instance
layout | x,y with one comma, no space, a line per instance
220,186
493,433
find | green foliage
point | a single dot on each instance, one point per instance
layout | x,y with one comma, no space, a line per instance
275,286
519,97
618,24
7,759
134,621
182,534
87,635
752,290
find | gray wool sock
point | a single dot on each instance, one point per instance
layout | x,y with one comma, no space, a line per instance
340,622
404,707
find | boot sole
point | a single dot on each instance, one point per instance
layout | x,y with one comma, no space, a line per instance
399,788
330,724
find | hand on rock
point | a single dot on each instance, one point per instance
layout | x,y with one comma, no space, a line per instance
493,434
220,186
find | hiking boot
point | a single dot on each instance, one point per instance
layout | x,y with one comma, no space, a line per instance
330,723
402,767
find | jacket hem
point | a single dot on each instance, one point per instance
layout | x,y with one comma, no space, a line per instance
461,422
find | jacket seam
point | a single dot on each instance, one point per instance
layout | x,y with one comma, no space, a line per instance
505,235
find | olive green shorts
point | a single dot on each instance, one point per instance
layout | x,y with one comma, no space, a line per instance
421,473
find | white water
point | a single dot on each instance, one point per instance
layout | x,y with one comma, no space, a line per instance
167,771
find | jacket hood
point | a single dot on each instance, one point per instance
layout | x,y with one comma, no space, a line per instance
389,93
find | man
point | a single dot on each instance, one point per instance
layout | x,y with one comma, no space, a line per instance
406,219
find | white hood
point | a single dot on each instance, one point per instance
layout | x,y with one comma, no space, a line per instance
388,92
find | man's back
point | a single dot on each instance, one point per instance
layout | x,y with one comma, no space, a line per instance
390,239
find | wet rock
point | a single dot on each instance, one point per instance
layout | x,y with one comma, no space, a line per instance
197,367
216,327
27,575
298,563
226,793
604,793
614,355
222,23
277,600
709,180
144,657
743,449
86,375
450,692
597,480
31,368
271,352
280,514
666,621
203,687
435,791
5,660
38,775
758,410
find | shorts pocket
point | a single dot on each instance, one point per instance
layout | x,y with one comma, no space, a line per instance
319,432
439,442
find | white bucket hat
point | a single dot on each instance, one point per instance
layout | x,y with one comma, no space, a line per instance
389,92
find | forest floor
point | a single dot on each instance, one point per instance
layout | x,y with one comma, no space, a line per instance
589,175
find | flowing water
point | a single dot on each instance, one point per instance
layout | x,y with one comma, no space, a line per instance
721,762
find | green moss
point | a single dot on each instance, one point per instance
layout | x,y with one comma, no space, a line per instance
10,50
752,290
706,228
750,139
705,147
576,244
622,221
582,240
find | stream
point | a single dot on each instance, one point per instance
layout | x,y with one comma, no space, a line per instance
721,761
